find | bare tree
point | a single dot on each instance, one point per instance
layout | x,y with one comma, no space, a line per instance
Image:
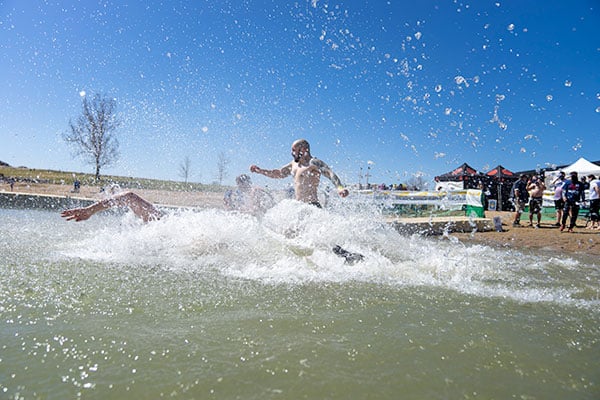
185,168
222,164
92,136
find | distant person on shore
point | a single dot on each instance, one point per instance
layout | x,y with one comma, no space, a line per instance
520,196
573,192
536,189
76,185
11,182
247,198
559,204
594,202
306,171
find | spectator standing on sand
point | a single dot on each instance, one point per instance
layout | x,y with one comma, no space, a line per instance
559,204
76,185
573,193
594,202
585,183
519,196
536,189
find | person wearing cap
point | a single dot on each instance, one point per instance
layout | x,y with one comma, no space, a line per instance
247,198
306,171
519,196
573,192
594,202
559,204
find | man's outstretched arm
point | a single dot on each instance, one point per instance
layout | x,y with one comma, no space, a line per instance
273,173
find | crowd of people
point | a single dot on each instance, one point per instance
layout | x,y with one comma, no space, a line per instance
569,196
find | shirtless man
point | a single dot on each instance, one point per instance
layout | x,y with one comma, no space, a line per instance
306,171
536,189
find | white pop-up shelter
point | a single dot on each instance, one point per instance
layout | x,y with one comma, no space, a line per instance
582,166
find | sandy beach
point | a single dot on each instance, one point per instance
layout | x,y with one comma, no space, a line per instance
547,237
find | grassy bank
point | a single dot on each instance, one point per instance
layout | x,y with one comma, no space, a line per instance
67,178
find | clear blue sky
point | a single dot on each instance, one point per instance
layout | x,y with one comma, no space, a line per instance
402,86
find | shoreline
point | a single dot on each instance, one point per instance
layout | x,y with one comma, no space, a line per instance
546,238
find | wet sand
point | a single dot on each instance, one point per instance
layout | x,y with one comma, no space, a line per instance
547,237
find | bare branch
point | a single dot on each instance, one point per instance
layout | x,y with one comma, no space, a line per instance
92,136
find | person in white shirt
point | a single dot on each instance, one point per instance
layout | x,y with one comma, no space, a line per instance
594,202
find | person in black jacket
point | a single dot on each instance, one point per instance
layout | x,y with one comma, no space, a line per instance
520,196
573,192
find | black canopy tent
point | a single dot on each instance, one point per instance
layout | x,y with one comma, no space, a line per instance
462,173
502,181
465,174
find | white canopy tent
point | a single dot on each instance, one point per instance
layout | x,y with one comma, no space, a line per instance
582,166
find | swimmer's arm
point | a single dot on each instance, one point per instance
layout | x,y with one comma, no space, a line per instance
83,213
140,207
280,173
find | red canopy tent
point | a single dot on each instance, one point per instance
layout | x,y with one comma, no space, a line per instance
501,173
462,173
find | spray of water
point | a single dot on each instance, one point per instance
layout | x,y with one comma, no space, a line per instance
292,245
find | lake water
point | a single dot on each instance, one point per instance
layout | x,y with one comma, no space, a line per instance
210,304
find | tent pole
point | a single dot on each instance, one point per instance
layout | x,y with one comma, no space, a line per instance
500,196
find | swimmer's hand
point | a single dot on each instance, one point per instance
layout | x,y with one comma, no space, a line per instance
77,214
254,168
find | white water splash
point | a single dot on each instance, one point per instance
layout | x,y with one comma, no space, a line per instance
293,243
